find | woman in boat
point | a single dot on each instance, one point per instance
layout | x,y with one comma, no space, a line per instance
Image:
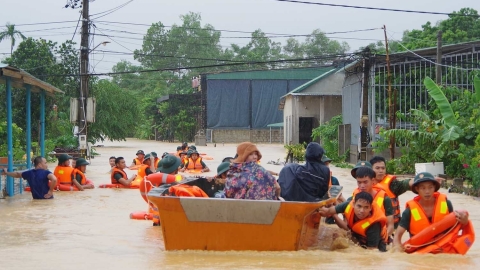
246,179
427,208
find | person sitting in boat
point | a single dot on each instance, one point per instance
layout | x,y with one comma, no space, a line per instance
118,175
148,166
307,182
78,175
138,160
63,172
427,208
156,160
248,180
364,219
195,163
212,185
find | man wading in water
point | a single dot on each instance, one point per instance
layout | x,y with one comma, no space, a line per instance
38,179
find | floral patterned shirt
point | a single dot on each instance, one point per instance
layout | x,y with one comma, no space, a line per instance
249,181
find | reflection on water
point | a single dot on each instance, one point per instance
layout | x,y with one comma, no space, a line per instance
92,229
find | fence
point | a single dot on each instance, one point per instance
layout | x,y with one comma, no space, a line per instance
18,183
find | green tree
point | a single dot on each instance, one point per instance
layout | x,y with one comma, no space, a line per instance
455,29
12,34
116,112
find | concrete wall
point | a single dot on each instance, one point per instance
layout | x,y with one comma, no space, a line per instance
246,135
288,120
351,100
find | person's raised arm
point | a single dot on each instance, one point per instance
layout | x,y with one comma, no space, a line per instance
15,174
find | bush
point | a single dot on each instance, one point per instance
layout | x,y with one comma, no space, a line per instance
328,135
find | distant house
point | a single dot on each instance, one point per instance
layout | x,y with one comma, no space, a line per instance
243,106
311,104
369,87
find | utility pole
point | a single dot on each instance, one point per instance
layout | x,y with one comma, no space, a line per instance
84,79
364,120
438,73
391,103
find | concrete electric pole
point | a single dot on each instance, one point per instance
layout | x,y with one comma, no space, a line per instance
84,79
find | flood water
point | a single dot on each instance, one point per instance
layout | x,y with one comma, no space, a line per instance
92,229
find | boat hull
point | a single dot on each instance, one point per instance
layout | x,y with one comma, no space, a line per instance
229,224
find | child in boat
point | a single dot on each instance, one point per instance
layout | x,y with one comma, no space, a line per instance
428,207
118,175
364,218
196,163
78,175
246,179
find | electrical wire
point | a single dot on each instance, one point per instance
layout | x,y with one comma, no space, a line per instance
193,67
108,12
378,9
78,22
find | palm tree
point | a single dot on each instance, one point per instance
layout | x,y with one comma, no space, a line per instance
11,33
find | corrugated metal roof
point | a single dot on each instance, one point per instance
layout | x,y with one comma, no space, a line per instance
272,74
309,83
21,77
276,125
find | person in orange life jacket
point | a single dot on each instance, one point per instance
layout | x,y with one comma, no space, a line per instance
139,159
364,219
148,166
63,171
159,163
156,160
78,176
195,163
111,162
364,174
391,185
183,158
428,207
118,175
170,164
333,182
41,181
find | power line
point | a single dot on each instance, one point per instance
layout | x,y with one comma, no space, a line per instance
111,10
78,22
377,8
190,67
25,24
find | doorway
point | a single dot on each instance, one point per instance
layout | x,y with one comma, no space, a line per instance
305,129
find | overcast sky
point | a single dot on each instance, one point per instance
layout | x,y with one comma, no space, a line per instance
245,15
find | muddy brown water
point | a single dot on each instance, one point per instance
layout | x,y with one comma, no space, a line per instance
92,229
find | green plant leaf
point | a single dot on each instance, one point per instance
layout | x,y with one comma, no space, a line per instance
442,103
420,114
451,134
476,83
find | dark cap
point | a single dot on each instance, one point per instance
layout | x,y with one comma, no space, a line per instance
359,165
81,162
63,157
326,159
424,177
140,152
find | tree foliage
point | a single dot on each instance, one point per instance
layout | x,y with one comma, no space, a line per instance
12,34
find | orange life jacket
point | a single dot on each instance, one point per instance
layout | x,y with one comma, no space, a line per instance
195,165
142,170
117,170
418,218
385,186
138,161
378,199
183,190
63,174
156,161
79,172
360,227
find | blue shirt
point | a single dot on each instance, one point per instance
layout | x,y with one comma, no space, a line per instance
38,181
